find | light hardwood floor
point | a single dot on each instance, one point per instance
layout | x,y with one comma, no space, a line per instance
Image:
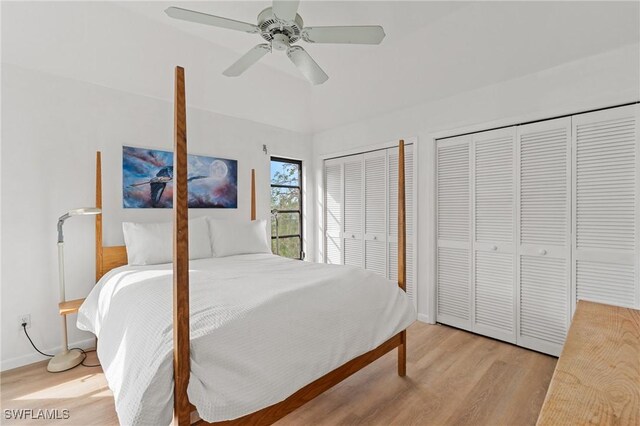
453,378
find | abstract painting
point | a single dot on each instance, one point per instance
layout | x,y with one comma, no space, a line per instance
147,178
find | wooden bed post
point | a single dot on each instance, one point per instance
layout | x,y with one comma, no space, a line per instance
253,194
402,250
181,340
98,216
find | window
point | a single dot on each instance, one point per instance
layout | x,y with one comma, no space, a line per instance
286,207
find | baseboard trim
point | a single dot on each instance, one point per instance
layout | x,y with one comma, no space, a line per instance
21,361
425,319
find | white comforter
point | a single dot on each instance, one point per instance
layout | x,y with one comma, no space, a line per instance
262,327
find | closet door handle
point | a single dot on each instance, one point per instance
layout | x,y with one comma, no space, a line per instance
494,248
375,237
353,236
542,252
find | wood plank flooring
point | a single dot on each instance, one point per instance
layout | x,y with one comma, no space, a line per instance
453,378
83,391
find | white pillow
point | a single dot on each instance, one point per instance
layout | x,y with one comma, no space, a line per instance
229,238
152,243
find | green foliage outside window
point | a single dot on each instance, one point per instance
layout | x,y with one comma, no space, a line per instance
286,199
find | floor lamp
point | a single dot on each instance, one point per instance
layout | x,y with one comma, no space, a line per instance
66,359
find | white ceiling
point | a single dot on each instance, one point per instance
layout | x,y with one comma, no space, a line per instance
432,50
397,17
478,45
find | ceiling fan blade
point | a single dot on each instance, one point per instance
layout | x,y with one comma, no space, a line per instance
248,59
367,34
307,66
285,10
216,21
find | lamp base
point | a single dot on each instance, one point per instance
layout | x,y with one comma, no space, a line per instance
65,361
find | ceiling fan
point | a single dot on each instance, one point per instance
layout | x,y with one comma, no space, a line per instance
281,26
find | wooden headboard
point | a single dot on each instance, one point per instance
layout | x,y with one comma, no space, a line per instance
107,258
110,257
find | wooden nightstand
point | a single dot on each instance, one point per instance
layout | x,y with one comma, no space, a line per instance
70,306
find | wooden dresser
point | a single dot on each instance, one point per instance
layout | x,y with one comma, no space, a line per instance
597,378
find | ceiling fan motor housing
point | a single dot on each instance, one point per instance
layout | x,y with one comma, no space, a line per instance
280,33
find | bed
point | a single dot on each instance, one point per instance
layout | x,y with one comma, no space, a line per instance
250,337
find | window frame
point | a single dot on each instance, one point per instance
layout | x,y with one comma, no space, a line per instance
301,255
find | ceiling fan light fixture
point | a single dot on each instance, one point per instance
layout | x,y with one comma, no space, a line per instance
280,42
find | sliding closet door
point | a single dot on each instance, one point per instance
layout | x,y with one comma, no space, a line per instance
606,179
392,156
454,231
353,210
375,211
333,201
544,201
493,206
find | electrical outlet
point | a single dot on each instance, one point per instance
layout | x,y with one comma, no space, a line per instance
25,318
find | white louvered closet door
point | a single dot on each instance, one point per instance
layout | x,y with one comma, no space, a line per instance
453,260
353,172
375,211
392,166
361,212
333,197
493,227
544,244
606,224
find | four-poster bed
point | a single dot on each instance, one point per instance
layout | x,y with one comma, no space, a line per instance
108,258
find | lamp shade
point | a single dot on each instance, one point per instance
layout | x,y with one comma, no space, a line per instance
84,211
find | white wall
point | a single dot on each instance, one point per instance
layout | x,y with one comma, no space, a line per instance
84,76
607,79
51,129
471,45
106,44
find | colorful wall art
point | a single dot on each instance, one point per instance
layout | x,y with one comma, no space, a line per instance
147,180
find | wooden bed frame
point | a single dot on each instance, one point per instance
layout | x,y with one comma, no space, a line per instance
111,257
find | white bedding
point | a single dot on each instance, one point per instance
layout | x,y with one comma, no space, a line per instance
262,327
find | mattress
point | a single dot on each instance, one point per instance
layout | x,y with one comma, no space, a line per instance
262,327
